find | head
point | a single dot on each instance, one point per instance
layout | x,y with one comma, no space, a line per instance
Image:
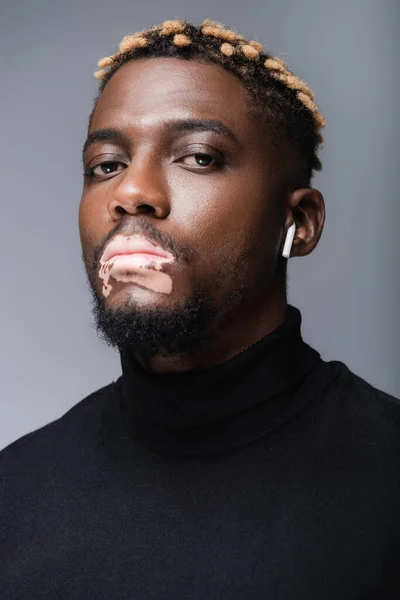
205,145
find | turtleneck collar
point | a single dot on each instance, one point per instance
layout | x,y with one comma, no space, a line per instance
199,411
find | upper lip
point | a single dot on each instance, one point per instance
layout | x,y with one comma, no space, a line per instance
132,244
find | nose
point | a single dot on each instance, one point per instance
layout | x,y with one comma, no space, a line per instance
141,188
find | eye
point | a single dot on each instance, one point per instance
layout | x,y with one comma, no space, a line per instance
199,159
105,168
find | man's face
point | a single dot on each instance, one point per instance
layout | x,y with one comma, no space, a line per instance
188,167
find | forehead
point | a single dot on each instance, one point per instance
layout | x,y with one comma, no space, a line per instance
151,90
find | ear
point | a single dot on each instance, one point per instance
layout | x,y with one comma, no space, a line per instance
307,210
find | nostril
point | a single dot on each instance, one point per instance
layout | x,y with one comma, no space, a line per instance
141,208
145,208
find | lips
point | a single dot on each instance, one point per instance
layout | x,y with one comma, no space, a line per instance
135,244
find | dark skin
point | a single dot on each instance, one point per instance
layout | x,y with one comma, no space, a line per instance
213,193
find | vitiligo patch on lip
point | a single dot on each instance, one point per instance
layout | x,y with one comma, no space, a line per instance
145,270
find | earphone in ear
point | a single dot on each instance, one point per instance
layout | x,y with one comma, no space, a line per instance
289,241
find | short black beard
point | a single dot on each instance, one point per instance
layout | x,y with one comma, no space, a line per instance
156,331
183,329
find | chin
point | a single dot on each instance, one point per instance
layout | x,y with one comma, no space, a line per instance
144,324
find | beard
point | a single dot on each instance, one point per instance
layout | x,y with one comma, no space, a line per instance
154,331
180,329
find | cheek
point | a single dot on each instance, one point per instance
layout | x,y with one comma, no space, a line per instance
92,222
85,227
224,214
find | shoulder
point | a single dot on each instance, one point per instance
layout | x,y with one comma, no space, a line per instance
353,390
66,432
347,403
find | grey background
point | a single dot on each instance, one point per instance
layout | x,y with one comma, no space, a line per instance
348,290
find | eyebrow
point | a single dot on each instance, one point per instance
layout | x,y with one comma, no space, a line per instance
202,125
108,134
113,135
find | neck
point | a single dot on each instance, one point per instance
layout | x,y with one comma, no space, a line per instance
228,338
222,407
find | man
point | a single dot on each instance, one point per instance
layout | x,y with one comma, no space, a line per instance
229,460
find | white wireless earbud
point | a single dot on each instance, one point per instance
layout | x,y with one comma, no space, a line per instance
289,241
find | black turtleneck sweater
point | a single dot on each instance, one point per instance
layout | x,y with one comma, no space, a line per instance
272,476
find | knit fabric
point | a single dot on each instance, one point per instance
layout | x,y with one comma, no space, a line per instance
274,475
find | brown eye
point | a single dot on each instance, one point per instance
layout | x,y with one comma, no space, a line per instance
203,159
106,168
199,159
